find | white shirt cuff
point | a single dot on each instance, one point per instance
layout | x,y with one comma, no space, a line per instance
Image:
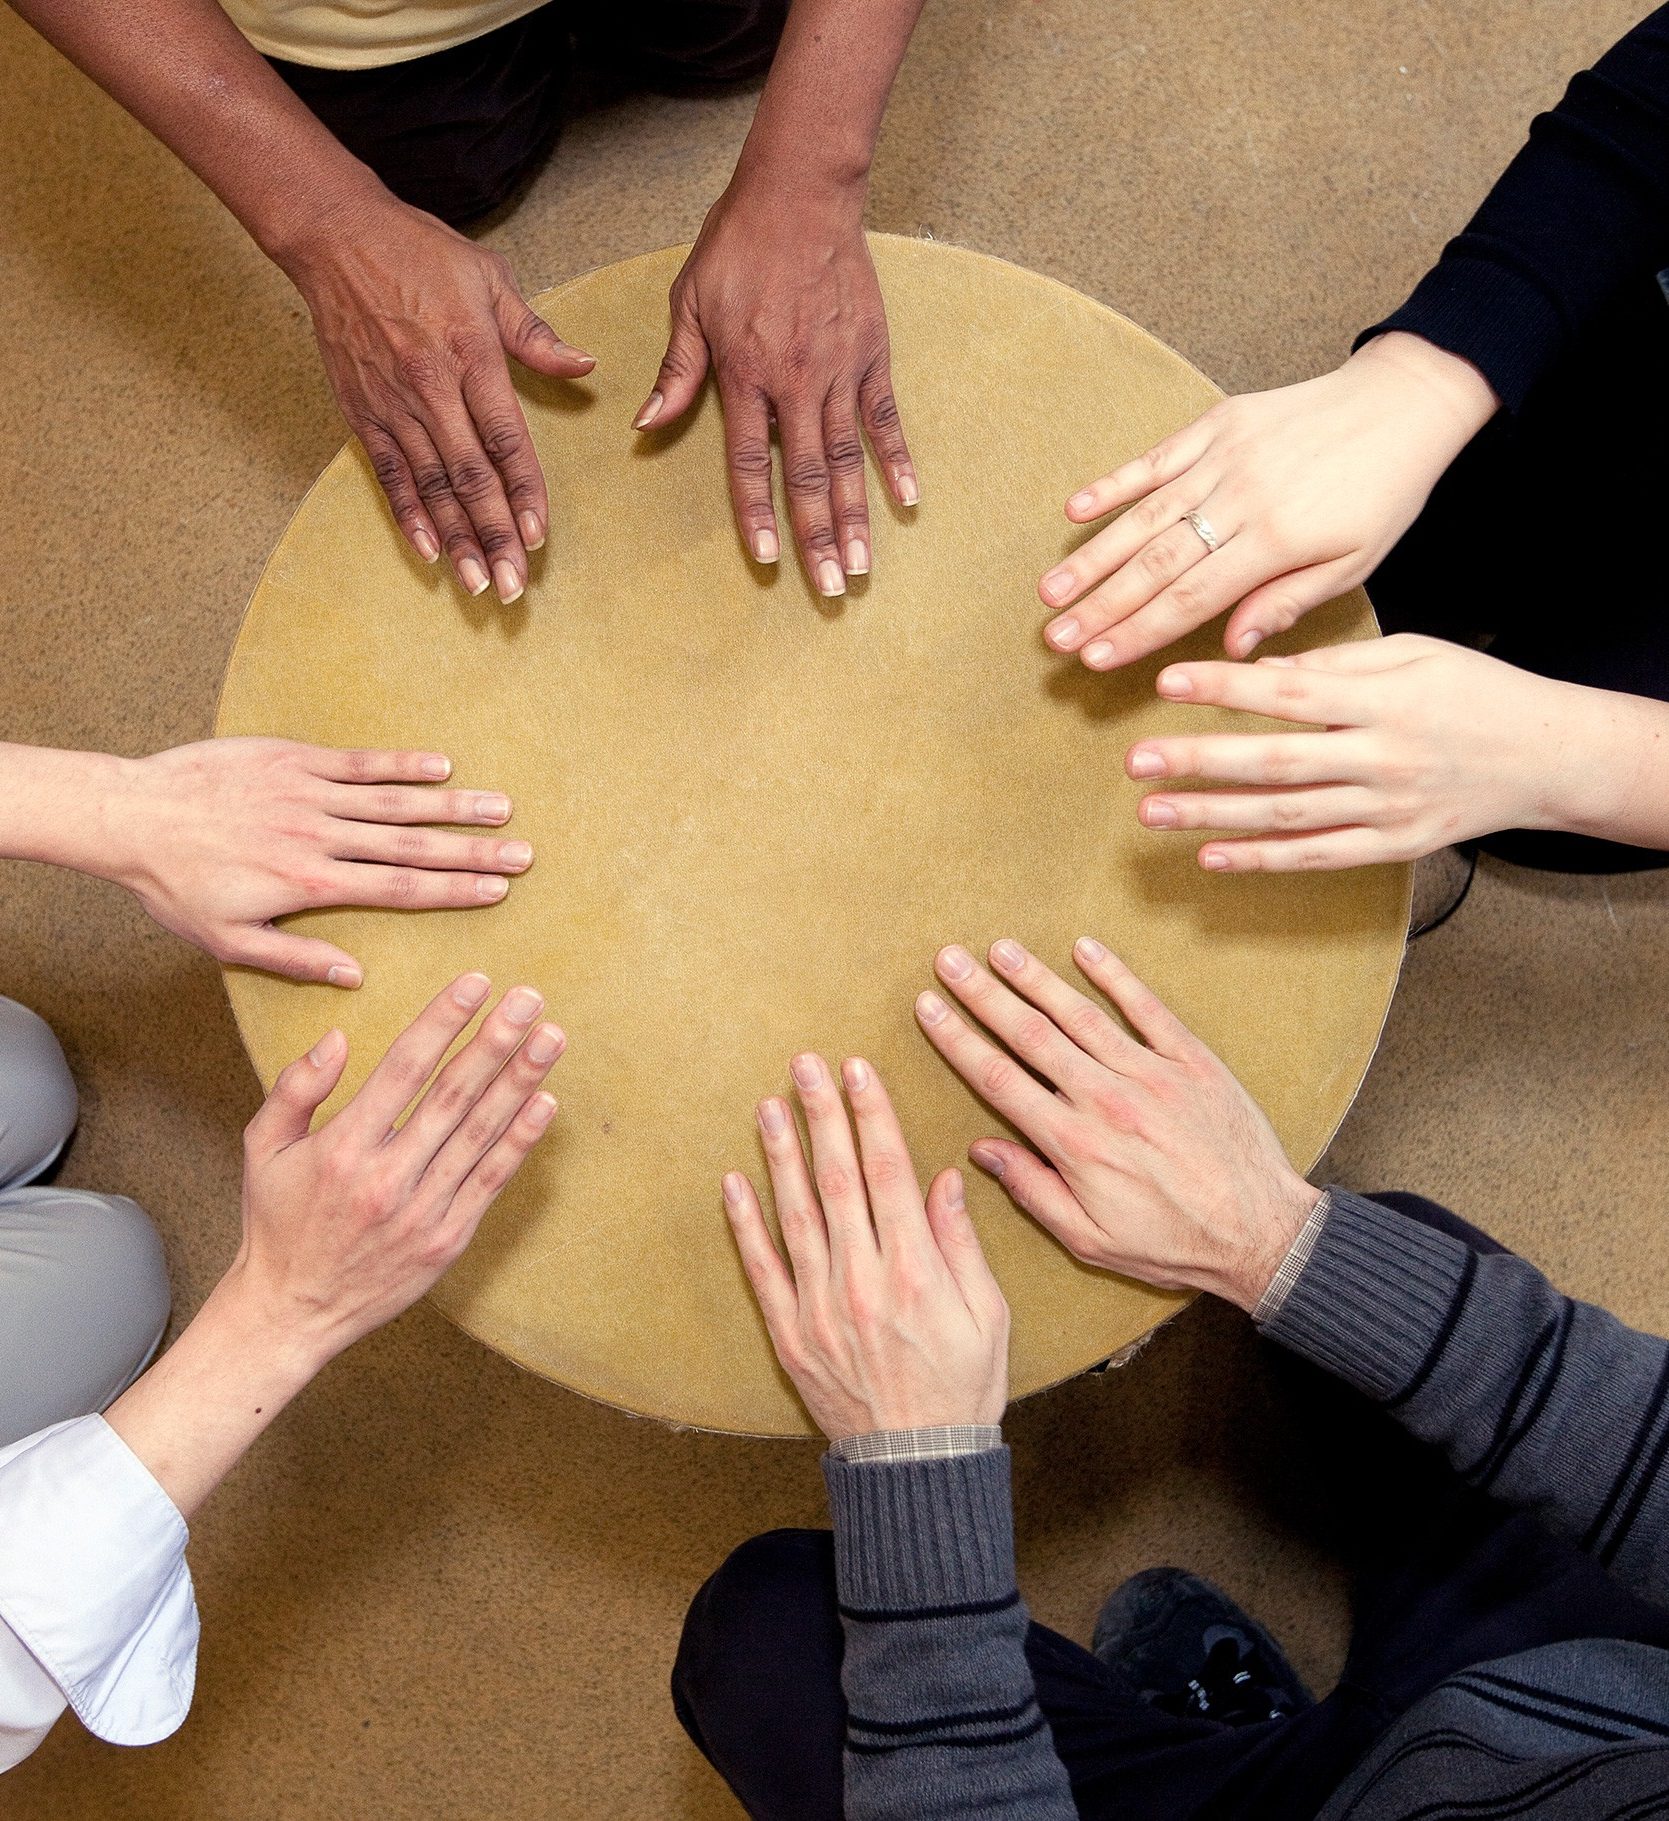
933,1443
1291,1268
94,1585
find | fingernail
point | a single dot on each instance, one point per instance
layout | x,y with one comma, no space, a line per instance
324,1051
1157,813
532,530
773,1116
930,1007
651,410
955,963
1081,502
545,1045
492,808
436,766
909,492
956,1195
343,975
830,580
1214,860
541,1109
807,1071
732,1186
1057,584
856,1074
988,1157
508,583
1008,955
521,1005
1175,683
857,557
1090,949
472,574
470,991
1248,642
766,549
1098,655
425,544
517,854
1144,763
490,889
1063,632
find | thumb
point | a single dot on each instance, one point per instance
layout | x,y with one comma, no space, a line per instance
276,951
535,343
958,1243
683,368
298,1093
1038,1190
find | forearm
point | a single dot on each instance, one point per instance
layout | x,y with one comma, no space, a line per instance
942,1715
200,1407
184,71
1544,1403
57,807
820,115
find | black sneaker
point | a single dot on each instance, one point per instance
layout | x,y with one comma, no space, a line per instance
1184,1646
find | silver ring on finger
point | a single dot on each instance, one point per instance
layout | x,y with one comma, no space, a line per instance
1202,525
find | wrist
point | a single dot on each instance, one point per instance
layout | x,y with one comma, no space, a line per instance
311,242
774,179
1272,1222
273,1341
1459,398
1590,759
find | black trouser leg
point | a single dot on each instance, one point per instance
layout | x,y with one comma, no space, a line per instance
1541,538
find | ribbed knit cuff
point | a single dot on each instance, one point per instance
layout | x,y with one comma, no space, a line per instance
911,1535
1502,321
1373,1298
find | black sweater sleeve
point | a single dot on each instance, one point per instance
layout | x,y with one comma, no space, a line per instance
1582,211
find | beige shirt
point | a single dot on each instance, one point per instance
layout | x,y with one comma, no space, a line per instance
366,34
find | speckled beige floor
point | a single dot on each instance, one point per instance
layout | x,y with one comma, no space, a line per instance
441,1588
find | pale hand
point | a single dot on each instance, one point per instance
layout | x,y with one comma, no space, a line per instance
886,1315
1423,744
415,322
1306,490
347,1226
781,300
1155,1162
218,839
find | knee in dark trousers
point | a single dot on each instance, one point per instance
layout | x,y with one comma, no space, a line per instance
756,1683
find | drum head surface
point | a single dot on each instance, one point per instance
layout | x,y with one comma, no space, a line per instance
756,816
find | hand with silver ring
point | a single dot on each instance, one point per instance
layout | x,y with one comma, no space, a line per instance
1271,504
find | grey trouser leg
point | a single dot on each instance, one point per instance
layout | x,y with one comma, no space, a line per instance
83,1284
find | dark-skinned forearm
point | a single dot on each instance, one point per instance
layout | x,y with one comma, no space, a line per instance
820,115
184,71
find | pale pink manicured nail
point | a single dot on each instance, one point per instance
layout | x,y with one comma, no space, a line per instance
1146,764
955,963
533,532
1090,949
807,1071
508,583
1008,955
1175,683
1098,654
473,575
341,975
1214,859
324,1051
857,557
831,579
491,807
1063,632
988,1157
651,410
424,540
1057,584
470,991
931,1007
909,490
544,1046
855,1073
521,1004
1157,813
766,549
773,1116
491,889
732,1186
517,854
436,766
